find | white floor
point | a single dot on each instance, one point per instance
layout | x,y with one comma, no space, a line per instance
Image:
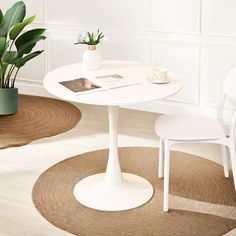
20,167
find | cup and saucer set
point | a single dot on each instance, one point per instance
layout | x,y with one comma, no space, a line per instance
159,76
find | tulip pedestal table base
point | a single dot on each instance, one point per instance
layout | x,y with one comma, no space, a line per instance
113,190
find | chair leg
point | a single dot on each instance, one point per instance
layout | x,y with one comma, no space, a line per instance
161,157
233,161
166,176
224,160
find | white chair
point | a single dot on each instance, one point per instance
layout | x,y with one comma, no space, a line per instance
174,129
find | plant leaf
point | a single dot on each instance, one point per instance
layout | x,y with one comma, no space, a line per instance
3,68
27,36
8,57
13,16
2,45
15,31
1,17
29,45
21,61
90,38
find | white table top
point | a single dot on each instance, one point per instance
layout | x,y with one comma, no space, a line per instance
131,95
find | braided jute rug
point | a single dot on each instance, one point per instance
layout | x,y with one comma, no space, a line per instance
191,177
37,117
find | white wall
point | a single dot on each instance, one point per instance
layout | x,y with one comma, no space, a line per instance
196,38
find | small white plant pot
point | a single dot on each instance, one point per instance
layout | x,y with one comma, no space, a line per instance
92,58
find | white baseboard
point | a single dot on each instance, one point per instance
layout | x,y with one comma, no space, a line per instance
32,88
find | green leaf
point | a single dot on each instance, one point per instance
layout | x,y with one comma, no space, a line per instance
2,46
29,45
27,36
8,57
91,41
15,31
13,16
100,36
21,62
1,17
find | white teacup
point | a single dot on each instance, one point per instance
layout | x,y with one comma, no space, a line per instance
159,75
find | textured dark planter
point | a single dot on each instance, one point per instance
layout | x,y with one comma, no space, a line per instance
8,101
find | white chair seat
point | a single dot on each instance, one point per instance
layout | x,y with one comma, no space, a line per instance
188,127
173,129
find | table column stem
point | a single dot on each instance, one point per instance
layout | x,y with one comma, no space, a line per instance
113,174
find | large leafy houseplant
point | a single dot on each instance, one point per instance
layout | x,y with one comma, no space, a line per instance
16,47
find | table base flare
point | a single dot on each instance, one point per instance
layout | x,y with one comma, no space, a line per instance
95,193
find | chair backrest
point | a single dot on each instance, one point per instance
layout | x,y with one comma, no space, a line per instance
229,91
229,85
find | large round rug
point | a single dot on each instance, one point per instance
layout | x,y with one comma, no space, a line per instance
191,177
38,117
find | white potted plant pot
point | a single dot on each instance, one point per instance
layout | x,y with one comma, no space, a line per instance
92,58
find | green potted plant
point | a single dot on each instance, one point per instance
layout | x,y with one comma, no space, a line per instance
16,46
92,58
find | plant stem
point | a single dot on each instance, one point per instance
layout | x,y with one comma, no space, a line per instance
13,81
11,45
9,76
2,76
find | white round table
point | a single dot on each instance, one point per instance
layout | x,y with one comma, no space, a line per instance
113,190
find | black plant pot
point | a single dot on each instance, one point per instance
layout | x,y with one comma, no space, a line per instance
8,101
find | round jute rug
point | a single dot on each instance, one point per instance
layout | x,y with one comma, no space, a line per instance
191,176
38,117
